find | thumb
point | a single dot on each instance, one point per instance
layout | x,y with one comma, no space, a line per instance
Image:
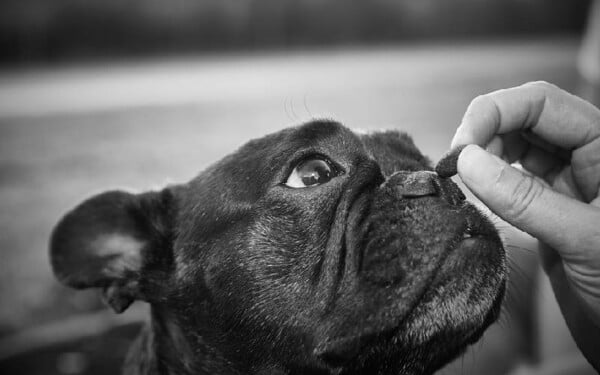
567,225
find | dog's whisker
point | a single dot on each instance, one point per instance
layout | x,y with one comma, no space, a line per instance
304,101
287,110
296,118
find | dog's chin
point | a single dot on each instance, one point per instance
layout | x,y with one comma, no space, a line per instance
460,298
463,299
461,302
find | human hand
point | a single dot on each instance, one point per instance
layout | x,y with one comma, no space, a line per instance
556,138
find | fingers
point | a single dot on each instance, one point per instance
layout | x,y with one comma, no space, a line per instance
553,114
566,224
538,123
495,146
513,147
586,167
541,163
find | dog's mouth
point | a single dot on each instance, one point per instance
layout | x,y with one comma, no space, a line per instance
388,258
464,294
436,276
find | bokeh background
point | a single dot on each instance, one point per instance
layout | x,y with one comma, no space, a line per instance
135,94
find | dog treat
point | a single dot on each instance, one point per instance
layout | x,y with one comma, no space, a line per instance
446,167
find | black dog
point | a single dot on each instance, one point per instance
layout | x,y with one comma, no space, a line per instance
313,250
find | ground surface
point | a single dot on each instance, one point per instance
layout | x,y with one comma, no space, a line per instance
69,132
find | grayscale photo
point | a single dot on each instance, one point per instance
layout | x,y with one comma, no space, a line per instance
291,187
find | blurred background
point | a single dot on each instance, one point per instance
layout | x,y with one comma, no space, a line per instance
135,94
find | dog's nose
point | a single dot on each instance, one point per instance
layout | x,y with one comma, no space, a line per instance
412,184
408,185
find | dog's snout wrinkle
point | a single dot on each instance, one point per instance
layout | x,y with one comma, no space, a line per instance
339,258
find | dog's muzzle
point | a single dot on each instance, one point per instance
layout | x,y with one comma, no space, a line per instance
387,252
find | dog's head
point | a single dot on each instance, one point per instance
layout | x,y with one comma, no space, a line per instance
311,249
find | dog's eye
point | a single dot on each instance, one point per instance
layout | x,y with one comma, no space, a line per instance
310,172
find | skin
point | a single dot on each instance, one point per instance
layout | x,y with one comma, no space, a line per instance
555,136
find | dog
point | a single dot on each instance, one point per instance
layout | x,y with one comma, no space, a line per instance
312,250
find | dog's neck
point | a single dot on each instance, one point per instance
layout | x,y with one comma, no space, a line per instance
163,349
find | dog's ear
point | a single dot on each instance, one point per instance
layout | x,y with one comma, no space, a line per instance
117,241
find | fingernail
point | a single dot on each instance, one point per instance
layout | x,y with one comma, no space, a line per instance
478,167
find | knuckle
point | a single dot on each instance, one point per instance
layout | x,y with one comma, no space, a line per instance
540,84
485,105
479,98
481,101
473,107
523,194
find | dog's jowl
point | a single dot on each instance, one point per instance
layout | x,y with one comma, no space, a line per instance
312,250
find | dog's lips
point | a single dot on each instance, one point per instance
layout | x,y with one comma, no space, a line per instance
477,263
473,255
423,325
405,312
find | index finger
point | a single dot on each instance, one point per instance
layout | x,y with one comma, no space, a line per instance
553,114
